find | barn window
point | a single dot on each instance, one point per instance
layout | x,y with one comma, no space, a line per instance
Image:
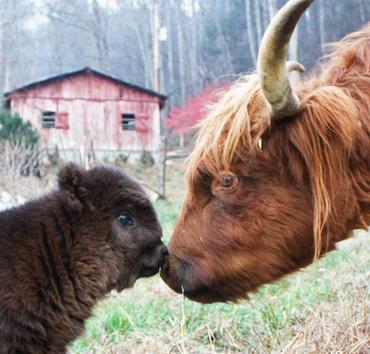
51,119
7,105
128,121
48,119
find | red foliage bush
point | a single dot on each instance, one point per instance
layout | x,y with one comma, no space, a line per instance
182,119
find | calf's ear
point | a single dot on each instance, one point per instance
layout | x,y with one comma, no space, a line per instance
72,182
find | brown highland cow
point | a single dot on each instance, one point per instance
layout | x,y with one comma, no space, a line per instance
278,174
61,253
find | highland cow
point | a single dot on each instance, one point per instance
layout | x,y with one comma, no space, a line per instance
279,174
63,252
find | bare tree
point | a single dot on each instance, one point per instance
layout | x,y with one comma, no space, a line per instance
322,24
272,8
258,22
180,49
249,26
99,33
206,39
6,25
170,52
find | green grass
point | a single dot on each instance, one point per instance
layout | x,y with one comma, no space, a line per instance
310,309
167,212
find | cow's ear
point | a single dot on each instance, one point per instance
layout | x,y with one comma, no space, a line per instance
72,183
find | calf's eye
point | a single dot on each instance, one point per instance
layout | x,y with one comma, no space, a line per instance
125,219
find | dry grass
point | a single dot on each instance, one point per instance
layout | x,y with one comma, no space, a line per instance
342,326
328,331
148,175
12,161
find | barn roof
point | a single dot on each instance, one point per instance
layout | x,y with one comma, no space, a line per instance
84,71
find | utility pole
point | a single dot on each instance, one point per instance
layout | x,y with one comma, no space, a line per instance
157,88
157,49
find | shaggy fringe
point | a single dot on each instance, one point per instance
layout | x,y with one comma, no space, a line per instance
231,128
334,106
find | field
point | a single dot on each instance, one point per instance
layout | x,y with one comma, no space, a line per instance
321,309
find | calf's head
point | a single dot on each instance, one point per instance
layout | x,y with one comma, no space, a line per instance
267,179
119,237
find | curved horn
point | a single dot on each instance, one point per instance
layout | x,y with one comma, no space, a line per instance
272,59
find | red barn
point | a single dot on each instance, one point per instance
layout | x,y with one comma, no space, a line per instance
87,111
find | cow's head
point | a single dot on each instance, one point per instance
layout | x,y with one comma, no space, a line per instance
267,169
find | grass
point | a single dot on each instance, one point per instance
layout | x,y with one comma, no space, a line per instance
324,308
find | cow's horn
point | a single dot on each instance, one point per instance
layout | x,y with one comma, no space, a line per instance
272,59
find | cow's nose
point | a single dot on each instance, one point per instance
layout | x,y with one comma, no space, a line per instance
157,260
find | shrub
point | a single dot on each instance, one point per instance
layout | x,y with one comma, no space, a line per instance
182,119
16,130
18,144
147,159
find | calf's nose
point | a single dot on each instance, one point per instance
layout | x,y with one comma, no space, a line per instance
162,255
156,261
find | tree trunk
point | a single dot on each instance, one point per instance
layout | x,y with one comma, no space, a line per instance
180,44
272,8
257,14
156,49
99,33
145,55
322,25
229,67
249,26
5,35
170,55
293,54
193,44
361,7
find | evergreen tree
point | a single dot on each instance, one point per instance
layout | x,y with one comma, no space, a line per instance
16,130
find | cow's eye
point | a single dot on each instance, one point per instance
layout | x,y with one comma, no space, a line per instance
125,219
227,181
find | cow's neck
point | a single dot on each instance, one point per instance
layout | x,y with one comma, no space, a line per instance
360,170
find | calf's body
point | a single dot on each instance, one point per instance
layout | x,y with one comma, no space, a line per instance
61,253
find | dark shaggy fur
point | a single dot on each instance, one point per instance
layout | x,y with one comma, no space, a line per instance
61,253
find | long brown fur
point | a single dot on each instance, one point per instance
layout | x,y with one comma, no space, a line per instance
326,132
321,156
